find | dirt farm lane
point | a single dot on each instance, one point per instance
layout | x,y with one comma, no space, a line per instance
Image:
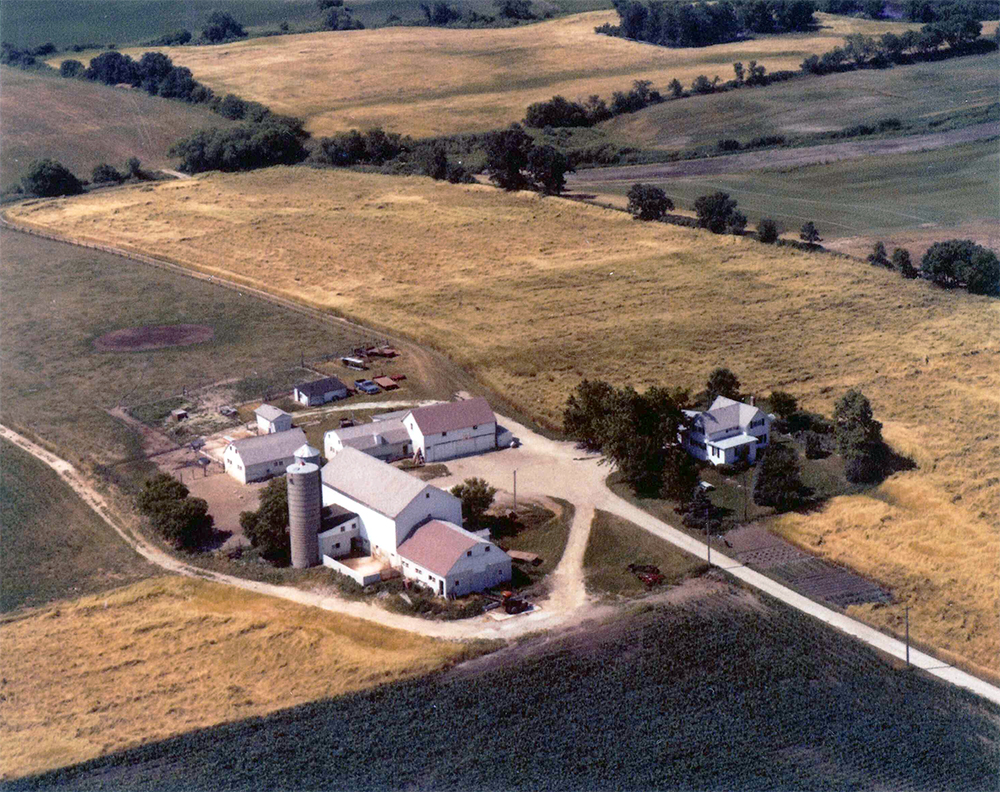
546,468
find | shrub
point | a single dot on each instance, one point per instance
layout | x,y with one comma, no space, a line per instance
72,68
476,496
728,144
767,231
220,27
717,212
47,177
105,174
809,234
646,202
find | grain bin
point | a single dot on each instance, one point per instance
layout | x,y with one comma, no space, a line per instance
306,453
304,503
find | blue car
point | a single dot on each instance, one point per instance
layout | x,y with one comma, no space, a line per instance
367,386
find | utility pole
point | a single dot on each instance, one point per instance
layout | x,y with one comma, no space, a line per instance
907,610
708,541
515,492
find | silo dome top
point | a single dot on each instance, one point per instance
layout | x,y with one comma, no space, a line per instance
305,452
299,468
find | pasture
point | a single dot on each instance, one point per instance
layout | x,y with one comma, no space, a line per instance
171,655
533,294
83,124
724,692
919,95
52,544
434,81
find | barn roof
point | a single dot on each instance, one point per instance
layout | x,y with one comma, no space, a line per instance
452,416
367,480
269,412
373,435
268,447
437,546
321,387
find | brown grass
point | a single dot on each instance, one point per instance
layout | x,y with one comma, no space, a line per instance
532,294
170,655
431,81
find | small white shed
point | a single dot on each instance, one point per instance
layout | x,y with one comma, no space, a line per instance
270,419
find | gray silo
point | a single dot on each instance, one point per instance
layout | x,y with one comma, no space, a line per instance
304,503
306,453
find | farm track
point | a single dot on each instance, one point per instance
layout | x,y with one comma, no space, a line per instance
781,158
561,473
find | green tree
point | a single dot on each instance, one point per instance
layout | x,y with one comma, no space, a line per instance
961,262
878,257
700,513
809,234
740,72
476,496
722,382
901,263
646,202
158,491
679,477
548,168
47,177
221,26
507,153
778,481
267,528
702,85
105,174
859,438
181,520
72,68
585,410
675,88
434,162
717,212
767,231
514,9
133,167
783,404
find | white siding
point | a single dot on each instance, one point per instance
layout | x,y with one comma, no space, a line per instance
376,529
280,424
431,502
336,541
449,445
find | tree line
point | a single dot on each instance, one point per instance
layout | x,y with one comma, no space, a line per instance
952,264
703,24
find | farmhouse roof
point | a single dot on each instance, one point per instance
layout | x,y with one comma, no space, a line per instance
726,414
267,448
321,387
437,546
269,412
367,480
373,434
452,416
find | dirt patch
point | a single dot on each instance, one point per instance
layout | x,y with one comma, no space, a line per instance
145,337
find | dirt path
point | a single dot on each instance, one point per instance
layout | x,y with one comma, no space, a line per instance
780,158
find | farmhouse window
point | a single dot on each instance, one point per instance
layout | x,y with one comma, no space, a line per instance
468,553
337,544
444,434
487,548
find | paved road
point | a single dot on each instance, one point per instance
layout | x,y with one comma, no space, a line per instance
544,467
779,158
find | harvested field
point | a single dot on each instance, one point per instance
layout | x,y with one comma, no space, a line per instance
434,81
532,294
138,339
171,655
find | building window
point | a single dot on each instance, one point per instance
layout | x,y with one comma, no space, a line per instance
444,434
341,528
427,495
468,553
487,548
457,582
337,544
475,426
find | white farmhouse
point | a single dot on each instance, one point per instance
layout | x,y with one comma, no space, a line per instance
256,458
319,391
454,429
727,433
385,440
270,419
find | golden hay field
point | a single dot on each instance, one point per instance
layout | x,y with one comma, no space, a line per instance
532,294
434,81
170,655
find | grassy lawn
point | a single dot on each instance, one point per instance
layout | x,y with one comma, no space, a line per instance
541,532
532,294
170,655
725,693
615,543
431,81
83,124
52,544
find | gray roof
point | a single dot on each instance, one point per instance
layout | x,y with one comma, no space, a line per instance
269,447
451,416
269,412
437,546
391,416
307,452
372,435
367,480
321,387
726,414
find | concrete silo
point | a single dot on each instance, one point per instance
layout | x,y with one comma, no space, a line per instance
304,504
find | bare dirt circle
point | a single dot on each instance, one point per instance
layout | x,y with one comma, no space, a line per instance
138,339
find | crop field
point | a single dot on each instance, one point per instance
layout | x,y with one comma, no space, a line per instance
615,543
532,294
922,92
169,655
902,199
433,81
52,544
83,124
725,692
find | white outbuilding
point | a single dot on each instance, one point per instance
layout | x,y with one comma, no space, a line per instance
451,561
385,440
453,429
270,419
319,392
258,458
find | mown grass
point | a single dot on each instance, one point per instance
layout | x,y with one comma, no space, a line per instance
532,294
726,693
433,81
83,124
169,655
915,94
615,543
52,544
543,533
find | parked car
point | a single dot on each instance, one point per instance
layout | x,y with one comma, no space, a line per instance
706,486
366,386
515,442
228,411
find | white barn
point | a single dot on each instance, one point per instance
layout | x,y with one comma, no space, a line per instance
257,458
385,440
270,419
727,433
319,391
451,561
454,429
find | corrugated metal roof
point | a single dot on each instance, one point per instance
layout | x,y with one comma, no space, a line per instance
373,434
321,387
306,451
269,447
269,412
437,546
452,416
367,480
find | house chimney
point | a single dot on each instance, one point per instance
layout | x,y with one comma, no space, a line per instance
751,401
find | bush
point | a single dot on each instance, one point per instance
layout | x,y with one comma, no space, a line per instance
767,231
962,263
476,496
809,234
277,141
181,520
267,528
105,174
728,144
72,68
646,202
47,178
220,27
717,212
